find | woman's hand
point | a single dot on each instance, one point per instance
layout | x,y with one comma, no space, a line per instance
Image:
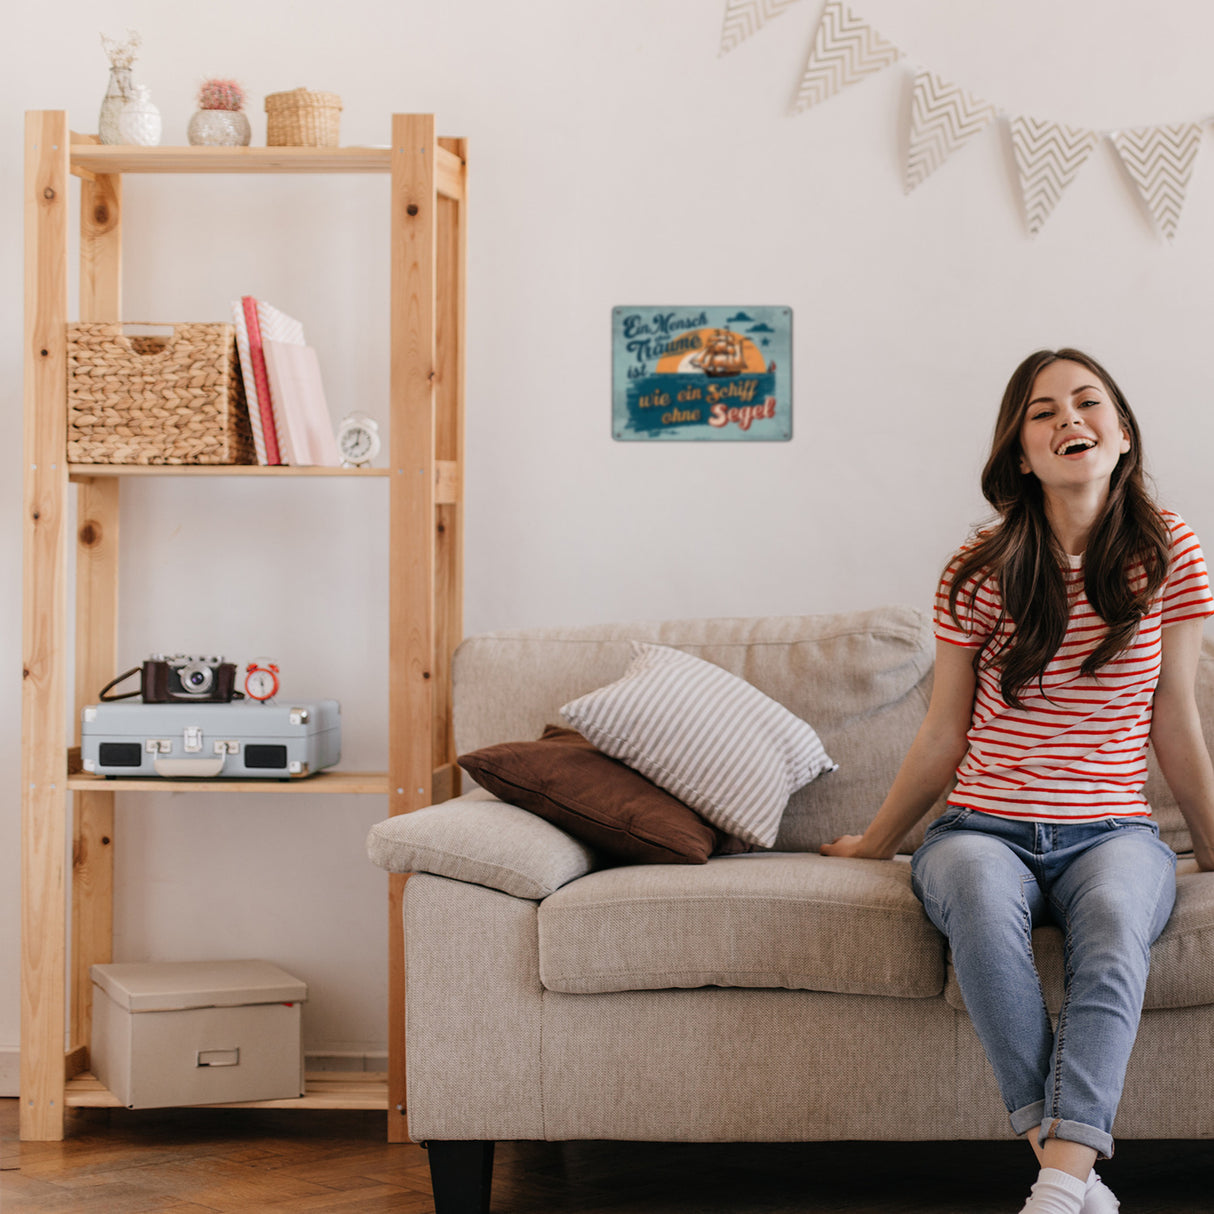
930,763
846,845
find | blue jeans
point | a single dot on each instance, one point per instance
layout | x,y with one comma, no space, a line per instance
986,882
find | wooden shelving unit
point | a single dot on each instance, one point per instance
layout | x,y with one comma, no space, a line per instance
426,233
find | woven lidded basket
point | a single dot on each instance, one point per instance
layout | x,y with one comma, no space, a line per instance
302,119
156,400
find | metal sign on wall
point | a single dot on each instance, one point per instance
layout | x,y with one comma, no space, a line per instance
711,373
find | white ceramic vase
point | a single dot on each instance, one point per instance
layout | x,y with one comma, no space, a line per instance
139,122
119,92
219,128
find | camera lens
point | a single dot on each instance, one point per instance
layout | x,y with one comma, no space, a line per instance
196,678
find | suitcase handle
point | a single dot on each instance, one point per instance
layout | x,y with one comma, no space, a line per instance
189,767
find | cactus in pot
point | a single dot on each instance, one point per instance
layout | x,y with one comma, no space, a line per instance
220,119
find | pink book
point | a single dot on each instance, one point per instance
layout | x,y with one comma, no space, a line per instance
257,360
305,429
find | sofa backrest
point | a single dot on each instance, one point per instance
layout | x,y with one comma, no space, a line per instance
862,679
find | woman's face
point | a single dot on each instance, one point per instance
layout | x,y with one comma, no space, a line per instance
1071,435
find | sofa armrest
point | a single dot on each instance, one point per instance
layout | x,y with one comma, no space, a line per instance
483,841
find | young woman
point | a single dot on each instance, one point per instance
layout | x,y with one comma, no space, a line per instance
1068,635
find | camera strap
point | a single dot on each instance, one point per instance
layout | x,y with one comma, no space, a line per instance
126,695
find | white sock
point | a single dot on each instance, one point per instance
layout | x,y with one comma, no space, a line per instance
1056,1192
1098,1197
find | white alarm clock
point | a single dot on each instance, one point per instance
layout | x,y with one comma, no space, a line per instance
357,440
261,681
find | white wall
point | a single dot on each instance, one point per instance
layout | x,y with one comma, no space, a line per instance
617,159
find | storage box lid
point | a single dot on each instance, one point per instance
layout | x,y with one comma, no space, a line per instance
173,986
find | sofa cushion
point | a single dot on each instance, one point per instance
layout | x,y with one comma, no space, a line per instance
479,839
598,799
1182,959
799,922
706,736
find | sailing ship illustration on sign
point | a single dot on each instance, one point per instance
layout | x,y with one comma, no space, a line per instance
721,356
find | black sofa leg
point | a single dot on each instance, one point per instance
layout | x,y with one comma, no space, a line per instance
461,1174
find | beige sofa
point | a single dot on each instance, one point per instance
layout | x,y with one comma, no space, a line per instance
767,996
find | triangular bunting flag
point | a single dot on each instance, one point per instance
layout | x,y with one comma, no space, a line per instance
1048,156
846,49
943,118
746,17
1160,159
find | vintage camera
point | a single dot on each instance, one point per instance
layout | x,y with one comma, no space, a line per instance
182,677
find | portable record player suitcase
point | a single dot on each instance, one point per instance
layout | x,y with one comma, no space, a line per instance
238,739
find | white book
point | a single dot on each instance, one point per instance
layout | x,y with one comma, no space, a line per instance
305,429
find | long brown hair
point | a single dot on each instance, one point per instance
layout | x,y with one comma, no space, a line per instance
1022,555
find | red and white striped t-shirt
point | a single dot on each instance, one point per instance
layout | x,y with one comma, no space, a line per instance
1078,752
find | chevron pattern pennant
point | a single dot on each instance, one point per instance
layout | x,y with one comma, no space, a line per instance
746,17
1049,157
944,117
846,49
1160,160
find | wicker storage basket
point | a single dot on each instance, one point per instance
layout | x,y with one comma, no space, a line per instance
156,400
302,119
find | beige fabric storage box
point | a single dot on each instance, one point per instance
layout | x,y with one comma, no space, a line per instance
197,1032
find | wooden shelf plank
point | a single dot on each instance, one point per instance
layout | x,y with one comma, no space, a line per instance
447,473
331,782
79,472
324,1090
96,158
124,158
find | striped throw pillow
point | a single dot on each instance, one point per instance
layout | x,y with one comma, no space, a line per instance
707,737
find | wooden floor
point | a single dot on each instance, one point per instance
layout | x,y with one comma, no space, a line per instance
196,1161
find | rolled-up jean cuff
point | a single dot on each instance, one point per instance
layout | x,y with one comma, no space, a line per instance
1075,1131
1028,1118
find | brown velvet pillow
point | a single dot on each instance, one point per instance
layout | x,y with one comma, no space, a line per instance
599,800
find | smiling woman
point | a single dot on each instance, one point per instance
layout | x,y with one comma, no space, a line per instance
1067,636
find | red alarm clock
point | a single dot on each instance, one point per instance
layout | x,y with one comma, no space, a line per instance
261,680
